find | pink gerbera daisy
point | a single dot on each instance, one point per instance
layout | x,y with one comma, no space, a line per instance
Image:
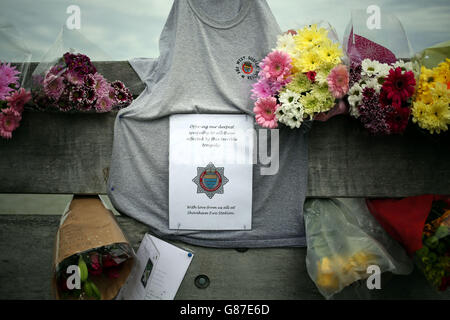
338,81
399,86
16,101
276,66
8,76
265,112
9,121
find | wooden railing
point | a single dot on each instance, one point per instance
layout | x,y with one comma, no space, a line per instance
70,153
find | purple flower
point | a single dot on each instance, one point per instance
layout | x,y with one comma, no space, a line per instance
79,63
91,95
355,73
77,95
74,78
101,86
121,93
104,104
265,88
54,86
372,115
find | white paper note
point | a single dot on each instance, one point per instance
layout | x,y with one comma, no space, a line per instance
210,172
157,274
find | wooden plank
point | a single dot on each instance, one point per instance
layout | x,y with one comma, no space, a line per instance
26,244
70,153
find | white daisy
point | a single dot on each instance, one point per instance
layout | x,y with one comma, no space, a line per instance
370,67
355,90
353,101
405,66
383,70
372,83
292,115
286,43
288,97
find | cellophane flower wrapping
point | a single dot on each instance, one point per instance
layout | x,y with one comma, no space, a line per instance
14,65
382,75
421,224
67,80
90,240
431,106
343,240
303,76
102,262
433,259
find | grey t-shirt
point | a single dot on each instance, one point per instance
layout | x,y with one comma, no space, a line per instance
209,54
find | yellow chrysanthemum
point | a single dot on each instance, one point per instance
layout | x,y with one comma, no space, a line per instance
308,37
442,73
418,111
440,92
309,61
434,117
330,52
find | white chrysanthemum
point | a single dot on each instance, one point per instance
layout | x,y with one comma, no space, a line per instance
289,97
286,43
354,101
354,98
405,66
370,67
383,70
291,115
372,83
355,90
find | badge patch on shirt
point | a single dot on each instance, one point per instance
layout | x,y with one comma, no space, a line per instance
210,180
247,67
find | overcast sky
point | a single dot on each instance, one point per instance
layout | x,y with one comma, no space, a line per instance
127,29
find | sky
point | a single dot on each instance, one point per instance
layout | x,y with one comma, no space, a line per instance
129,29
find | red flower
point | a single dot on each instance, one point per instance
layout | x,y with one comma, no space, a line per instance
445,282
95,268
399,87
311,76
108,261
397,119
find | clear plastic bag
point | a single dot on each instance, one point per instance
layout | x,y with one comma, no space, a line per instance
13,49
343,241
377,36
67,80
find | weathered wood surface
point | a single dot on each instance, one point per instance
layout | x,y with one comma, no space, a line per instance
70,153
275,273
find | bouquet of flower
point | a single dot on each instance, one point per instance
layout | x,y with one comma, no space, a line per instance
343,241
12,100
73,83
433,258
431,107
92,256
421,224
302,77
381,85
94,266
380,95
